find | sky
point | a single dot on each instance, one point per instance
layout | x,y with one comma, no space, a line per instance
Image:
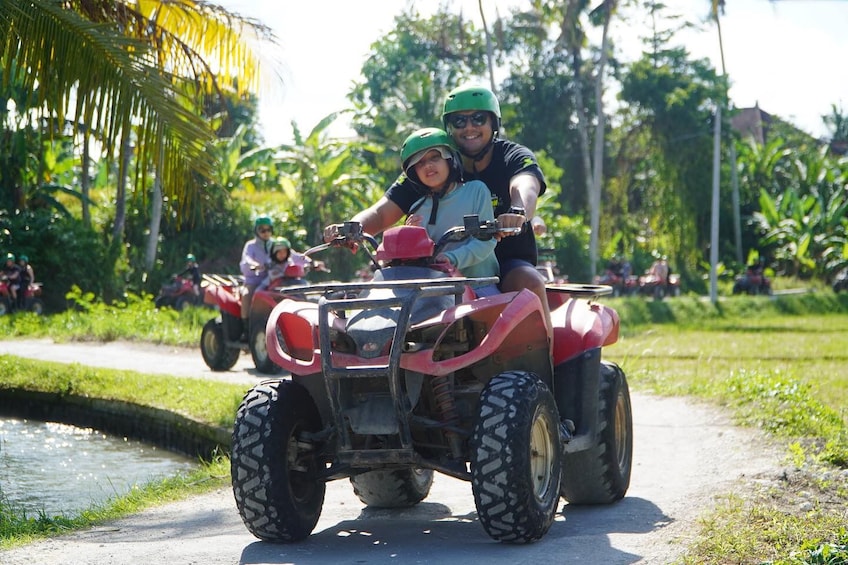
787,56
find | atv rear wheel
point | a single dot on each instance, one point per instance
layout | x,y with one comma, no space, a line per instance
273,467
213,348
516,458
259,349
36,306
181,303
393,488
601,474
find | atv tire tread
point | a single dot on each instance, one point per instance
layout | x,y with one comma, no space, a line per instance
276,492
507,504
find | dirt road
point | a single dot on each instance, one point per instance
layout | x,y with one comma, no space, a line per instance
685,454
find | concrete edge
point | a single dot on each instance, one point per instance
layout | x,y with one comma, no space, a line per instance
162,428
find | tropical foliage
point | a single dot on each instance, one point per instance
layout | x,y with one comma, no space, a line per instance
140,138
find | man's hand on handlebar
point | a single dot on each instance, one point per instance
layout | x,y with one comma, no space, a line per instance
510,224
334,234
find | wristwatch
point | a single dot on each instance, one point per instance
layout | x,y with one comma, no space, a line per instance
517,210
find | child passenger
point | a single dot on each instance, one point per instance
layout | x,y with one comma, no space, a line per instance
433,164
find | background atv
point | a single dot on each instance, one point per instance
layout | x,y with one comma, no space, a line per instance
178,293
753,281
221,340
650,285
411,373
32,299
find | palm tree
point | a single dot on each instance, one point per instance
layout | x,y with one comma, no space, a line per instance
114,67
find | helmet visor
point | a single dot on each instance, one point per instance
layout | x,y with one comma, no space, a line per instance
443,151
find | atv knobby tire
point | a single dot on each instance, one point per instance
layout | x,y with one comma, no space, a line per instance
273,468
601,474
393,488
259,349
213,348
516,458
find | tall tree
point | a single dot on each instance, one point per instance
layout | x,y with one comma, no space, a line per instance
410,71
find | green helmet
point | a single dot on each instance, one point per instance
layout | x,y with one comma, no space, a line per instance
262,221
419,142
277,244
10,256
464,98
190,258
24,258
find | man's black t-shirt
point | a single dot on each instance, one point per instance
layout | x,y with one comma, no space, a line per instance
508,159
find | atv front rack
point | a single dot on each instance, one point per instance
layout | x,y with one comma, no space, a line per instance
341,298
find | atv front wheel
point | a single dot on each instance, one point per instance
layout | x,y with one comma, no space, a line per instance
273,467
393,488
516,458
259,349
601,474
213,348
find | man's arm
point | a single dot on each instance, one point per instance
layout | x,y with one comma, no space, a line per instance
378,217
524,190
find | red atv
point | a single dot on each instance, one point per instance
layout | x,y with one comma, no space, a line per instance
177,293
32,300
651,285
411,373
754,281
221,340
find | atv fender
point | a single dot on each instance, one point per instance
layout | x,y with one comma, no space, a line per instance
580,326
225,298
297,324
516,328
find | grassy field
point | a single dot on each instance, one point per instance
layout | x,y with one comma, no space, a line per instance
779,364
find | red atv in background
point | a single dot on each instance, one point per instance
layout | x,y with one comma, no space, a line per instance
412,373
178,293
621,285
754,281
32,300
221,340
651,285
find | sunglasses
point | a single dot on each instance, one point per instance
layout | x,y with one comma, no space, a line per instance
459,121
264,230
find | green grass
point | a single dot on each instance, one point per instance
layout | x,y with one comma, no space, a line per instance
776,370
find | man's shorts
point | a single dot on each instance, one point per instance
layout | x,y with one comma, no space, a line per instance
511,264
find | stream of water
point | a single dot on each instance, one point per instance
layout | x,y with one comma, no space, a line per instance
61,469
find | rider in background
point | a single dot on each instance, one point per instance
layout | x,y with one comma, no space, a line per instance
12,273
193,269
254,260
26,278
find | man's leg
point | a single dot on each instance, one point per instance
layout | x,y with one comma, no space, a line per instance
245,310
520,274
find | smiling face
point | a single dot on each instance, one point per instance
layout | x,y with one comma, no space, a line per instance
471,130
432,170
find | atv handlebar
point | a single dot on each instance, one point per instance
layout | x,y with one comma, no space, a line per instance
473,227
349,234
